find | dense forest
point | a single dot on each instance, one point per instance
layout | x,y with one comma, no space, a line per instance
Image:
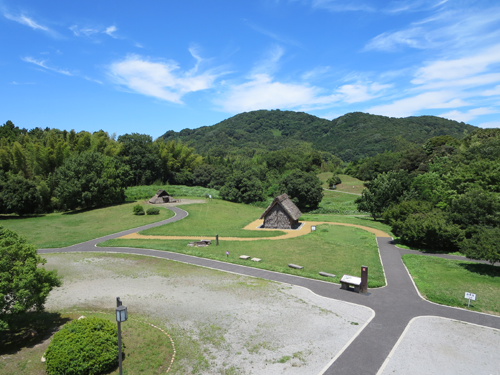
42,170
350,137
443,195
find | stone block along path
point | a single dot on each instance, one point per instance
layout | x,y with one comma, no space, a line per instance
395,305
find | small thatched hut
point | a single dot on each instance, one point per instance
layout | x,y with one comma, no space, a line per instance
282,213
161,196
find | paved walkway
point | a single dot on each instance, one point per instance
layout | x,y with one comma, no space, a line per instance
395,305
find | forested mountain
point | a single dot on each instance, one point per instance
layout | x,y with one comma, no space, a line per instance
352,136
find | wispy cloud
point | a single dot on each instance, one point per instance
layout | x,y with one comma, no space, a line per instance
413,5
262,92
360,92
341,5
275,36
160,79
491,124
43,64
468,115
87,31
270,62
315,73
110,31
452,28
24,20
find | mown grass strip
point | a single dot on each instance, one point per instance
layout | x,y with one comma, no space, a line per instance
445,281
69,228
214,217
332,249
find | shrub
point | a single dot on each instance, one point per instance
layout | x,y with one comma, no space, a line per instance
153,211
84,346
138,210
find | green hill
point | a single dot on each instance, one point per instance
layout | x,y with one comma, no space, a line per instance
350,137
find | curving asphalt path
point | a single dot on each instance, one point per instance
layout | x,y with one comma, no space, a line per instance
395,305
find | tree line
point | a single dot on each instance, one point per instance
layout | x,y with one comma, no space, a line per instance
42,170
443,195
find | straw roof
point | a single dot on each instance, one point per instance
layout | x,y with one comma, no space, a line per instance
286,204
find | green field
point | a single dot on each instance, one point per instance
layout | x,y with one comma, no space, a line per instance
445,281
214,217
147,351
69,228
349,184
354,219
333,249
335,202
135,193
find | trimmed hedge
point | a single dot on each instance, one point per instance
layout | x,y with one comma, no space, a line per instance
138,210
153,211
86,346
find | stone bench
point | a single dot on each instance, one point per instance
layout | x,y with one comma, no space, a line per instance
291,265
244,257
347,281
256,259
326,274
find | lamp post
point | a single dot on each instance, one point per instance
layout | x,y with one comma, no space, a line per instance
121,316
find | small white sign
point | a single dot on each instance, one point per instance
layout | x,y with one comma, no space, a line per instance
470,296
313,227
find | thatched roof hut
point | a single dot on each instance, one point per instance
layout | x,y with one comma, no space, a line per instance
161,196
282,213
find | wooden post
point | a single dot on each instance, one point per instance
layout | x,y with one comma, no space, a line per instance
216,240
364,280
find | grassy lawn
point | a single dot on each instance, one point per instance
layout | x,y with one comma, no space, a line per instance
445,281
334,202
148,350
135,193
333,249
367,221
214,217
349,184
69,228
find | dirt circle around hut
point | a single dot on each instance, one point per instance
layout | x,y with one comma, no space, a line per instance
179,202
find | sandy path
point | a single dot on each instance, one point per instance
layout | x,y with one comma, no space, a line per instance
305,229
243,324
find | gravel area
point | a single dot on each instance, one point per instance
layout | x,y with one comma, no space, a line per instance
244,325
439,346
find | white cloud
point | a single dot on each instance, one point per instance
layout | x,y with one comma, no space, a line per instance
342,5
269,64
87,31
413,5
279,38
42,63
446,28
22,19
261,92
469,115
315,73
458,68
110,30
492,124
162,80
492,92
409,106
361,92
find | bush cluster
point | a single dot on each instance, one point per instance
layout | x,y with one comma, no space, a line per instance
138,210
84,346
153,211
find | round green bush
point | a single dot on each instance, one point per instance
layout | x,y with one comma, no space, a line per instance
86,346
138,210
153,211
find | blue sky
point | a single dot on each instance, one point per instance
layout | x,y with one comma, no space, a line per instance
148,67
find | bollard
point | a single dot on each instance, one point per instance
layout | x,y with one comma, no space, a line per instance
216,240
364,280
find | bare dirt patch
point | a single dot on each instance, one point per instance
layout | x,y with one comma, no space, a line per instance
240,325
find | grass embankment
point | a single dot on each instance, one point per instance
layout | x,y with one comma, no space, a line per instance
349,184
445,281
214,217
135,193
358,220
148,350
69,228
334,202
333,249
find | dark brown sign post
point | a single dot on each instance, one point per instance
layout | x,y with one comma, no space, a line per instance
216,240
364,280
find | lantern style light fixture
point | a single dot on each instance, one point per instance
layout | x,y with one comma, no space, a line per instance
121,316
